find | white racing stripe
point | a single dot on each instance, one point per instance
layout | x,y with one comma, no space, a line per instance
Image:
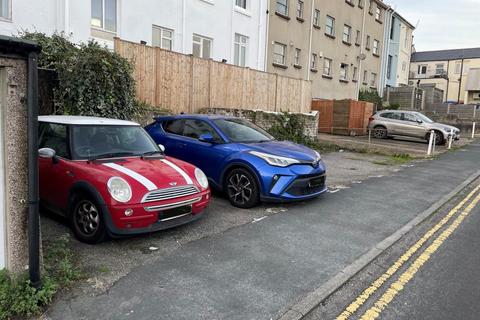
132,174
179,170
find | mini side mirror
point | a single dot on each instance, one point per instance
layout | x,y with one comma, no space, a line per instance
48,153
206,137
162,147
419,121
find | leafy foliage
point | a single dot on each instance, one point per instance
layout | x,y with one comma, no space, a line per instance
290,127
371,95
19,299
93,81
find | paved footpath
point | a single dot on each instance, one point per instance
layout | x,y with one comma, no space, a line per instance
260,270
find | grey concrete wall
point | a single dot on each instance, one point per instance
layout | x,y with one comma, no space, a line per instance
16,173
410,98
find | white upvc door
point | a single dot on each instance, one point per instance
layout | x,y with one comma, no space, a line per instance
3,98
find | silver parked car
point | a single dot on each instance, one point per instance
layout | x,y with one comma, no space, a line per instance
388,123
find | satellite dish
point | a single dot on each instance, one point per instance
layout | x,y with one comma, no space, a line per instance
362,56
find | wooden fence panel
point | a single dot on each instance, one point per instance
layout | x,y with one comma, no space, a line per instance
183,83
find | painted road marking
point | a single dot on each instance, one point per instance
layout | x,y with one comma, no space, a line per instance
397,286
360,300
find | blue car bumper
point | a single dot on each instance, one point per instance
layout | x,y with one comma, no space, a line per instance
292,183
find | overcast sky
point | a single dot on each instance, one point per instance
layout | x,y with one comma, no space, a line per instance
443,24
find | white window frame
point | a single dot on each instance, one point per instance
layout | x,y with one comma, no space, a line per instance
347,33
7,5
458,67
240,6
300,9
439,67
365,77
358,37
367,44
283,4
343,71
202,38
389,66
376,47
103,18
373,79
162,36
327,66
316,18
355,74
313,65
330,30
378,14
420,68
282,55
237,49
297,57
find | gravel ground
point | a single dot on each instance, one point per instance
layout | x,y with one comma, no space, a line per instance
105,263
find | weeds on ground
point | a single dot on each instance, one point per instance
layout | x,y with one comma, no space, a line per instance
395,160
18,299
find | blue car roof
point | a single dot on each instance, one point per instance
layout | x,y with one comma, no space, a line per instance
194,116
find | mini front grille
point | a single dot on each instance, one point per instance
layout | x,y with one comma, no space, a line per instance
170,193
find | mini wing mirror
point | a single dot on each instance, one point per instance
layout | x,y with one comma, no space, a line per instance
48,153
419,121
162,147
206,137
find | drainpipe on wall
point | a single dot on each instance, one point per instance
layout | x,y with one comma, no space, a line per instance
67,17
259,45
184,16
360,71
33,216
267,39
461,76
310,41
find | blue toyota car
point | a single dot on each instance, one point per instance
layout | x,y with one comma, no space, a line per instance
241,159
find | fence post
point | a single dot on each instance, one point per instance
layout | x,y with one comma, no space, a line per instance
473,130
450,140
430,143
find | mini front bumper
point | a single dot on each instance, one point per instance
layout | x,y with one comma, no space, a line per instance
147,218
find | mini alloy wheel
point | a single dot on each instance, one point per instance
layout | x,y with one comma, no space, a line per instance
242,189
87,221
380,132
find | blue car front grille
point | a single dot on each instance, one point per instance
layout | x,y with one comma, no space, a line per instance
306,186
170,193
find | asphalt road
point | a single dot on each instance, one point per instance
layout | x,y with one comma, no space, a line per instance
258,270
441,280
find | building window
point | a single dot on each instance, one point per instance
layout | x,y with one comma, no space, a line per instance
422,69
327,67
5,9
297,57
458,68
392,28
439,69
316,18
370,7
162,37
376,47
358,38
279,53
202,47
330,26
104,15
240,50
389,67
404,66
406,39
367,46
378,14
347,32
282,7
373,80
300,9
365,77
313,65
344,71
241,4
355,74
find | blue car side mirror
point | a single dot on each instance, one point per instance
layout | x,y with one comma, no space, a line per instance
206,137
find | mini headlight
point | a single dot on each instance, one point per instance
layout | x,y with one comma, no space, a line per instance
275,160
319,157
119,189
201,178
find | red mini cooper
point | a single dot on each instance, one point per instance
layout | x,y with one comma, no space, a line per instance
108,177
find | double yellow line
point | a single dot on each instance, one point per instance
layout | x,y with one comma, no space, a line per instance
405,277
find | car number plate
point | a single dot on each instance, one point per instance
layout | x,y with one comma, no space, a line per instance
316,182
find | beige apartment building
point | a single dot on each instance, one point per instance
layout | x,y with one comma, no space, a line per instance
335,44
455,71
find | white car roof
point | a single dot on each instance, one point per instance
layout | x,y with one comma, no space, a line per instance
80,120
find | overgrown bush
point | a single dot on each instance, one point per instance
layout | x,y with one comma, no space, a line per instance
18,299
93,81
290,127
371,95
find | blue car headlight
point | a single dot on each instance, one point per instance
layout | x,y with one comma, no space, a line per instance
318,156
275,160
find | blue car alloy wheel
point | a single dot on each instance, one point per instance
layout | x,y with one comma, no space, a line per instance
241,159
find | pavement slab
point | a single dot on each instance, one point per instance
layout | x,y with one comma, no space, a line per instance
259,270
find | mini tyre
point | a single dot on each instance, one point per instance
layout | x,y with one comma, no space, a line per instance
242,189
86,219
439,139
